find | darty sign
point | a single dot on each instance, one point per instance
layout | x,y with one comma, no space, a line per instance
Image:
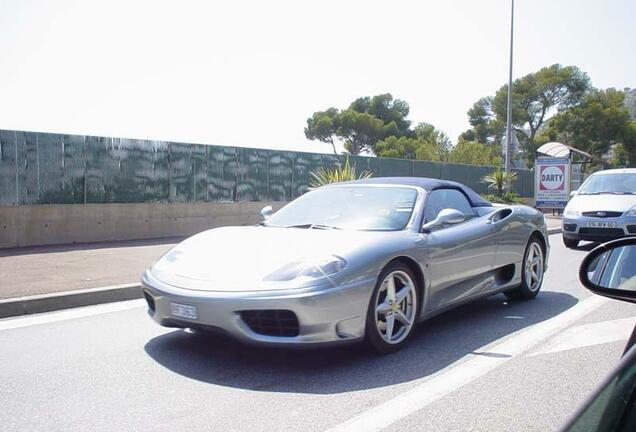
552,182
552,177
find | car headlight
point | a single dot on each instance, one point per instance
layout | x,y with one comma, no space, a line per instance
572,212
313,269
631,212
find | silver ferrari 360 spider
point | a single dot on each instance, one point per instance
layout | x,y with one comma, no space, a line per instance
361,260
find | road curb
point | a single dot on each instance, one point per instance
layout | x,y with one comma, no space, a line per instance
554,231
68,299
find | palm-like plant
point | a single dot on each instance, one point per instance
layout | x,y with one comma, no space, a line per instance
337,174
500,180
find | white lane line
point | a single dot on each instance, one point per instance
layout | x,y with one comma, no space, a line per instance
452,378
589,334
50,317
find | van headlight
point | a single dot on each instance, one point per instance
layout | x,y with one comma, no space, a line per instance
631,212
571,212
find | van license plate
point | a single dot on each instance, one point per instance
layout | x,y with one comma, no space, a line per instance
601,224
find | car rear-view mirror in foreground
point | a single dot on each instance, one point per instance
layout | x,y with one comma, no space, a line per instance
610,270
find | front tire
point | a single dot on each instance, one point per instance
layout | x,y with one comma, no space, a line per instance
532,272
570,243
393,309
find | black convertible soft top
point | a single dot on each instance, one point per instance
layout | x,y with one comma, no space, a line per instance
427,184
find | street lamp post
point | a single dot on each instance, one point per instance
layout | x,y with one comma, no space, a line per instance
509,110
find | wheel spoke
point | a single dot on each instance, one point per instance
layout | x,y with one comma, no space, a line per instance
402,294
390,321
402,318
383,308
534,276
390,288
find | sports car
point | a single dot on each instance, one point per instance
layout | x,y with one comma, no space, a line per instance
351,261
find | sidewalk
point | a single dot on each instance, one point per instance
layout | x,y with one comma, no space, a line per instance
50,269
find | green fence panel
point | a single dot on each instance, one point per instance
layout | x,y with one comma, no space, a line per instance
99,169
252,175
280,173
27,163
524,179
304,165
181,178
474,176
51,170
454,172
8,168
221,165
157,188
134,177
390,167
199,173
427,169
365,164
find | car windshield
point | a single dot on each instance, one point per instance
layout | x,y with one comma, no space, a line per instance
616,183
374,208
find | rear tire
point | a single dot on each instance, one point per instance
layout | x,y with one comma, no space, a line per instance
570,243
393,309
531,272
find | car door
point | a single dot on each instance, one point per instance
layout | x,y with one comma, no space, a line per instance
458,257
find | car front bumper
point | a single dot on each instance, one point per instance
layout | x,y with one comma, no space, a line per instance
576,228
324,315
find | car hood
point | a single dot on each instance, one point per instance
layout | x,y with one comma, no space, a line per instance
603,202
241,258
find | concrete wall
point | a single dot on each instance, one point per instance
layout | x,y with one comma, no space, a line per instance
80,223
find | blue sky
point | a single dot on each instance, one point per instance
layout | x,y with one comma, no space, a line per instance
249,73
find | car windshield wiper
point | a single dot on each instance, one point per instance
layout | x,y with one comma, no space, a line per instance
312,226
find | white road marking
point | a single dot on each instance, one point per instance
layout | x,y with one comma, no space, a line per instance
50,317
590,334
454,377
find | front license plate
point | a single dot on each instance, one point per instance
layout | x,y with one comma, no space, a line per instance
183,311
601,224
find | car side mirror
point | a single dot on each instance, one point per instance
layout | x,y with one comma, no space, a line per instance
445,217
574,193
610,270
266,212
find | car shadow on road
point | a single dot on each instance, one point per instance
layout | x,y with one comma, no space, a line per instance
436,344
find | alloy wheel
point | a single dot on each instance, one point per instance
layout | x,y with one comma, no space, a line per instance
395,307
534,267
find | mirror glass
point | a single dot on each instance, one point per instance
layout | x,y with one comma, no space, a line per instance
614,269
267,211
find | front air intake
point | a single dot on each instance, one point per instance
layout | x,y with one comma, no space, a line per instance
271,322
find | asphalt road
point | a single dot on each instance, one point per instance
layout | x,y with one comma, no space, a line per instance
488,366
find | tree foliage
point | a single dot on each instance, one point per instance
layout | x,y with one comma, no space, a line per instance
428,143
599,122
475,153
534,96
392,112
361,126
323,126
